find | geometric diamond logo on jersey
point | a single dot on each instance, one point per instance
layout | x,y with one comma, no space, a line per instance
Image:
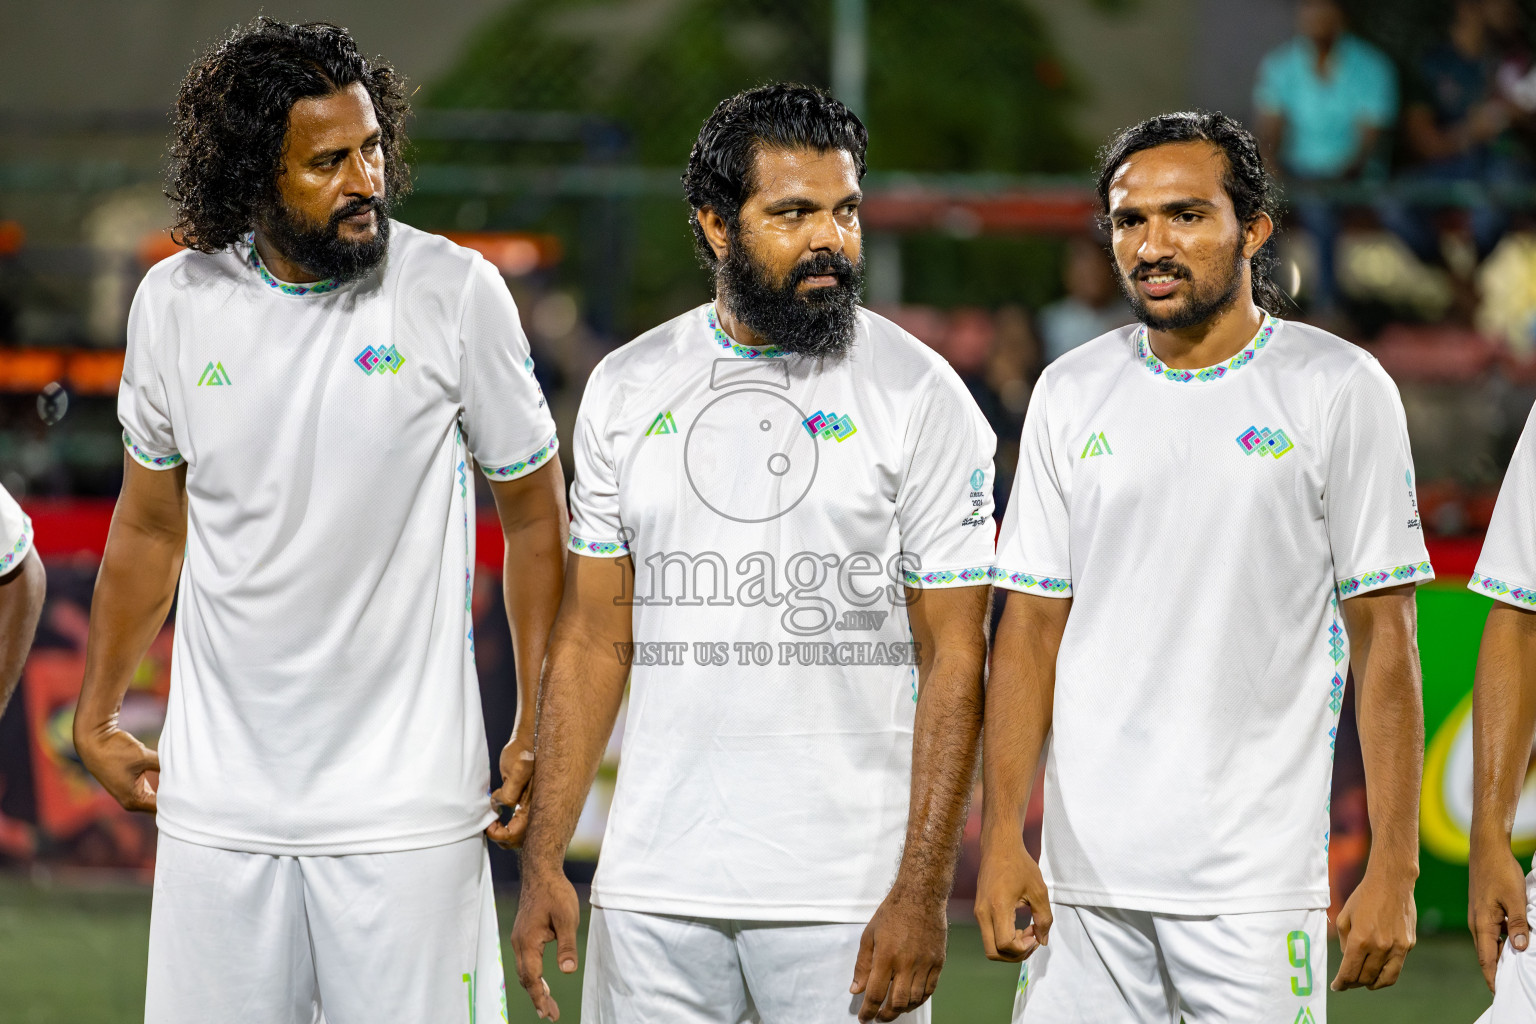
213,376
377,360
1097,444
662,424
829,425
1273,443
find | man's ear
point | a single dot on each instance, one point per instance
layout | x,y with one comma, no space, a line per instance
1257,233
715,231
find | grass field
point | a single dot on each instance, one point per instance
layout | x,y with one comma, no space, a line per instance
75,955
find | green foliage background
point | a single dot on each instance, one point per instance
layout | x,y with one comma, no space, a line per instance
959,86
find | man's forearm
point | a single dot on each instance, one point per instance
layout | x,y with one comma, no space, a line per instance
532,581
1390,715
133,593
1504,721
21,603
945,745
578,705
1020,690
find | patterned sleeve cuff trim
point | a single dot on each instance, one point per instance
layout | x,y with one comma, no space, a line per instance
144,458
1501,591
1414,572
532,462
600,548
1028,583
13,557
947,577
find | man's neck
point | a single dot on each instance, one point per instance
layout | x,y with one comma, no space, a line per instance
1215,341
1324,49
280,266
734,328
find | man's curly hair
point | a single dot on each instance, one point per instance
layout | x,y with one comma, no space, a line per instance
232,118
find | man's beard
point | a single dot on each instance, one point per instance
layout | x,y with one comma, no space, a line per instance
820,322
321,250
1200,305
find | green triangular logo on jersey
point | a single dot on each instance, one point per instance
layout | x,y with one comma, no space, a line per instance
1304,1016
213,376
1097,444
662,424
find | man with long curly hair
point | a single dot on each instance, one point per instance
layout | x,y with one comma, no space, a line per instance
306,392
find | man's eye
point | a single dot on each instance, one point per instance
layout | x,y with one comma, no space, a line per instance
792,214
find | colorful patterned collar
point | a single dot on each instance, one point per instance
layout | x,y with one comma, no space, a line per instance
1149,358
724,341
330,284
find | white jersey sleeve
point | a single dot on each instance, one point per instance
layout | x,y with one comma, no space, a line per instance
944,501
1506,568
506,420
142,404
1033,550
596,528
1369,502
15,534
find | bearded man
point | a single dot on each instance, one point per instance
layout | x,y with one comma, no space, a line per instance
1212,523
782,523
306,391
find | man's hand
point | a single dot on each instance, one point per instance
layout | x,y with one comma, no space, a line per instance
547,911
1010,879
516,789
900,956
1498,904
1376,931
122,765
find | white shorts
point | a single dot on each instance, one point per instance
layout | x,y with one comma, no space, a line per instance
375,938
658,969
1108,966
1514,985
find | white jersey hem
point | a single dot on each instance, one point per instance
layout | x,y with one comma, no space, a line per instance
1031,583
1391,576
1491,585
938,579
12,559
523,467
282,848
148,459
1192,906
680,906
597,548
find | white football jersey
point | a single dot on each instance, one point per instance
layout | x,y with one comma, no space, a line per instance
776,508
1506,567
1206,524
15,533
323,691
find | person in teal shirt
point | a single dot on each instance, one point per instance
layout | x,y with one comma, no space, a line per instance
1324,99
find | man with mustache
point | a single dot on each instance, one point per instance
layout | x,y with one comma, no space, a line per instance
782,521
1213,521
306,393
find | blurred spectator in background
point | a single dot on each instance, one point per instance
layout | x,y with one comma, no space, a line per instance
1092,306
1323,100
1457,129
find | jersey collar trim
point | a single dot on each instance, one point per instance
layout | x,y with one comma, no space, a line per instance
253,258
1254,347
724,340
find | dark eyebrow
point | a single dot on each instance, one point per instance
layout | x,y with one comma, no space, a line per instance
329,154
790,203
1176,206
